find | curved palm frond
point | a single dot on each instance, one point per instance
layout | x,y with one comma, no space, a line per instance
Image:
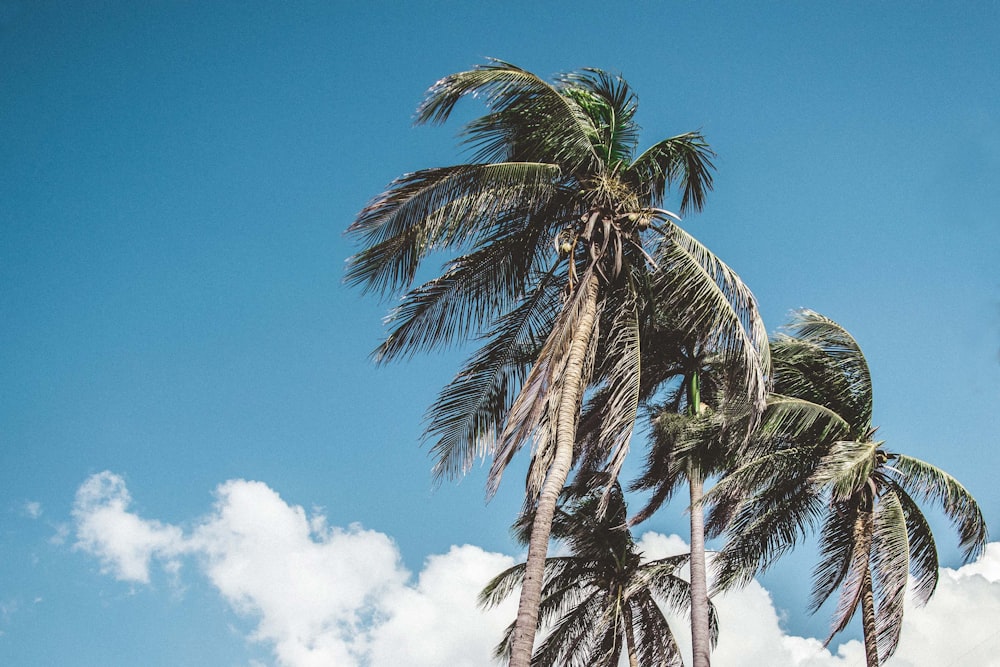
441,208
923,549
890,560
530,116
933,484
824,363
709,297
685,158
846,468
611,105
469,412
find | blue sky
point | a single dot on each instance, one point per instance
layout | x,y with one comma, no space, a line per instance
174,186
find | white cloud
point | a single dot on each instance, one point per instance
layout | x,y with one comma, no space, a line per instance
429,624
959,626
312,588
320,595
324,595
32,509
122,541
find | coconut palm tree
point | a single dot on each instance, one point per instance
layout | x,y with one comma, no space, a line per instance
553,237
600,601
823,467
690,444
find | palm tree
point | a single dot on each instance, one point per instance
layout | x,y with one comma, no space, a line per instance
690,444
601,599
824,467
554,237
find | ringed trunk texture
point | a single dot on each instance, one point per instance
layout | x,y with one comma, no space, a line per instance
633,657
868,620
701,642
562,461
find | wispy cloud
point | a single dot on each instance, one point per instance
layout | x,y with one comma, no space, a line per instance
324,595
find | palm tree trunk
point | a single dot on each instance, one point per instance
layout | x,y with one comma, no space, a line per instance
633,657
701,643
562,461
868,620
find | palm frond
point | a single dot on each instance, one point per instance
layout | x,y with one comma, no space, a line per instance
709,297
792,418
931,483
655,642
764,527
846,468
440,208
923,549
857,574
469,412
622,377
611,106
685,159
821,362
476,289
890,556
837,549
529,115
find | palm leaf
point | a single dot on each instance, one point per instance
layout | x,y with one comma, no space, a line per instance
890,567
440,208
470,410
685,158
930,483
529,116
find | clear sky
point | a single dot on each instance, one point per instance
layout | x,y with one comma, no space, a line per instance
199,464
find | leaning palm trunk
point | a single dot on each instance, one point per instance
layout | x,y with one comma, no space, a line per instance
541,528
868,620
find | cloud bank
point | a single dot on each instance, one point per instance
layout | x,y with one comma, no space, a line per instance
323,595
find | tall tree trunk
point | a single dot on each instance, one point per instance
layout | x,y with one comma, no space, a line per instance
868,619
562,461
633,656
701,640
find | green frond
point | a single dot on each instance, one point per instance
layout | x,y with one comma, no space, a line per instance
501,586
476,289
611,105
933,484
530,118
469,412
858,573
818,360
847,468
656,645
684,159
793,418
764,527
710,298
572,640
622,377
890,566
837,548
923,549
441,208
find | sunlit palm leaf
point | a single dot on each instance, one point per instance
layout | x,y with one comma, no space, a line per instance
890,570
933,484
686,159
470,411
